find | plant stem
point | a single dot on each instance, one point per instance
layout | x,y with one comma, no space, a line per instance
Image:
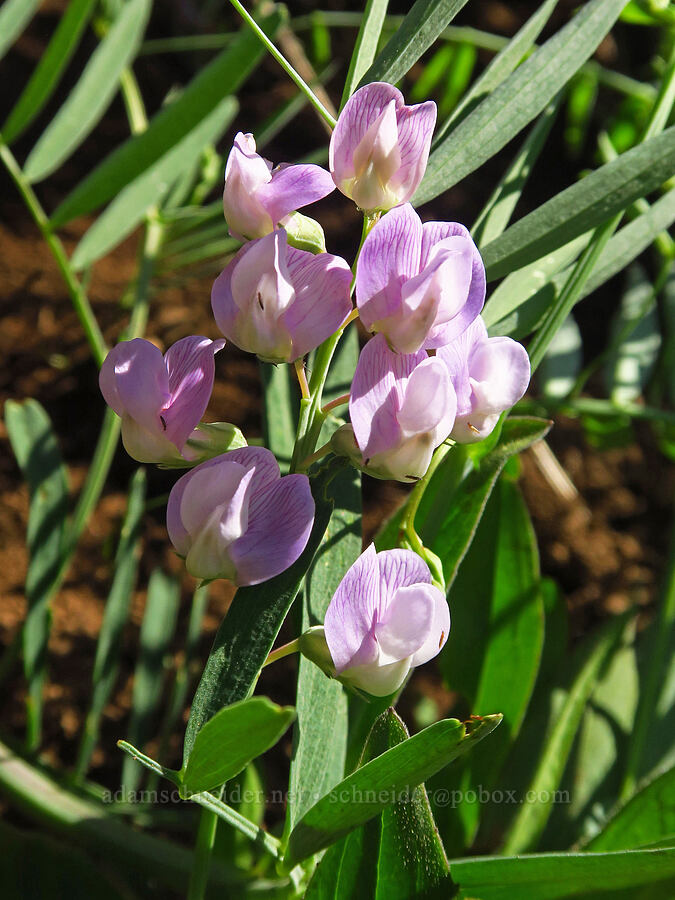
339,401
302,378
78,296
206,835
281,652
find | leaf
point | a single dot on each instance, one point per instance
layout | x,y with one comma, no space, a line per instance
14,16
92,94
231,739
531,818
248,631
554,876
498,211
37,453
462,509
497,627
515,102
420,28
365,46
52,64
129,207
396,855
380,782
521,300
115,617
159,622
279,398
582,206
169,126
647,817
500,67
562,363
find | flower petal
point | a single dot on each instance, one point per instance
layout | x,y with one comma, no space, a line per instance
430,401
407,621
438,631
415,129
351,613
281,517
293,187
399,568
191,369
455,356
245,174
379,680
134,380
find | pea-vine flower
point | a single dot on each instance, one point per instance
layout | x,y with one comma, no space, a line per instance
489,375
385,618
235,517
279,302
379,149
419,285
257,198
401,406
160,398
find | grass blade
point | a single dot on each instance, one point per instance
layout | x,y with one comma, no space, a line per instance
46,76
92,94
114,619
516,101
39,458
365,47
14,16
420,28
169,126
159,622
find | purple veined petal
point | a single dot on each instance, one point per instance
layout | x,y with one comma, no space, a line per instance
351,613
293,187
415,129
500,373
434,233
439,630
245,174
191,369
390,255
399,568
148,445
430,401
134,377
322,301
362,108
377,158
406,623
455,356
259,458
281,517
244,146
377,393
227,489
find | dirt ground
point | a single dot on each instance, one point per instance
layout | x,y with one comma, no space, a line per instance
606,548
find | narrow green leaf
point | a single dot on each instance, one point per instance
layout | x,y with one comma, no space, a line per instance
365,46
382,781
497,626
562,363
420,28
129,207
454,531
459,76
170,125
52,64
647,817
231,739
516,101
531,818
114,619
498,210
554,876
92,94
583,206
14,16
279,400
501,66
159,622
249,629
39,458
395,856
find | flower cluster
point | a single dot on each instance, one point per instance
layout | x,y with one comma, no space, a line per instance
428,373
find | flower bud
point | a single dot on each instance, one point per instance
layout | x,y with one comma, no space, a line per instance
312,644
160,399
380,147
235,517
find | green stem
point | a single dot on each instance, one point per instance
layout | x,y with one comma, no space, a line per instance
281,652
78,297
285,65
206,835
408,522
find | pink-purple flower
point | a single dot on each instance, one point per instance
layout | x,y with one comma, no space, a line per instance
419,285
160,398
279,302
235,517
385,618
489,375
380,147
257,198
401,406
